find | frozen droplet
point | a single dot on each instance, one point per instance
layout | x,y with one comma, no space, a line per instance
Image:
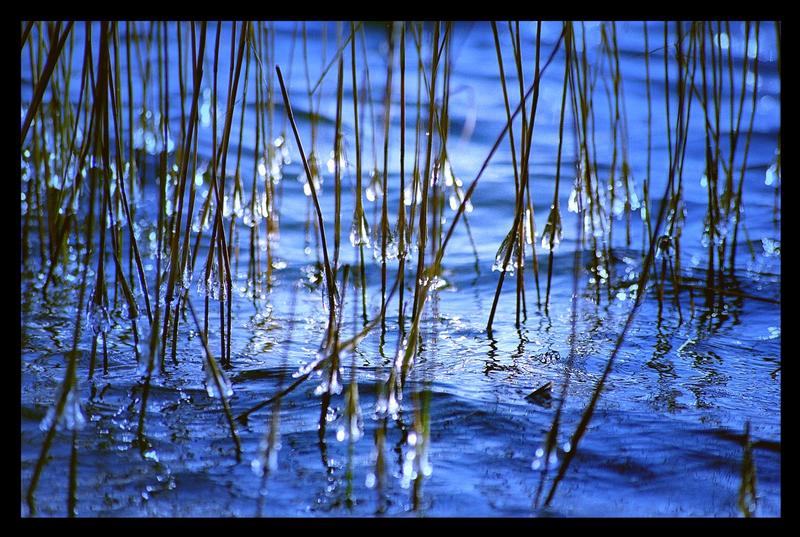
530,234
704,239
666,245
216,380
618,207
752,47
454,203
551,236
392,406
72,417
424,464
257,467
572,206
772,247
359,231
509,243
354,427
773,175
98,318
186,278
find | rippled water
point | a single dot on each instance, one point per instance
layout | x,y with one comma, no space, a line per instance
668,433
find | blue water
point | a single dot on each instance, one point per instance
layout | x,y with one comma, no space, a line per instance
667,436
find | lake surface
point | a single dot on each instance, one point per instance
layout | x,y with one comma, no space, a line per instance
667,436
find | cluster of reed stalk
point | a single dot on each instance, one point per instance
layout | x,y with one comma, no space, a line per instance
89,164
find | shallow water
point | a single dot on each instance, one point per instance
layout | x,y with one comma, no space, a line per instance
666,439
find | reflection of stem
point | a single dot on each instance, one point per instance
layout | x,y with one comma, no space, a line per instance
349,473
274,426
73,477
380,464
747,489
216,375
